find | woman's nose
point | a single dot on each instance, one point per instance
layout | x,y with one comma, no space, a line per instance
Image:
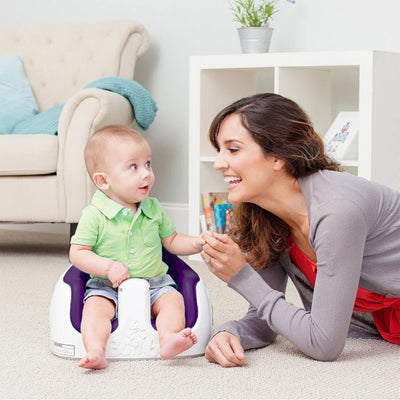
220,162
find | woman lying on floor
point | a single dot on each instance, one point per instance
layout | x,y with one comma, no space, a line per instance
335,235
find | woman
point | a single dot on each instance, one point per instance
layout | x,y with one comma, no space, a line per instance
335,235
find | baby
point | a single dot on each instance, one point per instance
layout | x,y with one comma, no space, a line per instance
120,236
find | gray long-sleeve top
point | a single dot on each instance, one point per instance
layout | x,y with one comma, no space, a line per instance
355,232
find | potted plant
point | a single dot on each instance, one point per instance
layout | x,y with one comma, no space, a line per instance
254,16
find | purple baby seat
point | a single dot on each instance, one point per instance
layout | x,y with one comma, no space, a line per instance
181,273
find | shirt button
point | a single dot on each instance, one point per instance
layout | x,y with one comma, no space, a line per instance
130,233
125,213
131,251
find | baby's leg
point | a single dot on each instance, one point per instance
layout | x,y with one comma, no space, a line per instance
98,312
169,310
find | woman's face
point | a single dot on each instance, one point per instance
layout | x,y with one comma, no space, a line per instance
248,172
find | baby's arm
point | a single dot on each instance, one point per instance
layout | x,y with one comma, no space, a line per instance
181,244
85,259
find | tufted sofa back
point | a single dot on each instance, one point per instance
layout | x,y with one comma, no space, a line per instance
61,59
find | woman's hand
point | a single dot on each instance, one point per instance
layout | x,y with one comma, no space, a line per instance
222,255
225,349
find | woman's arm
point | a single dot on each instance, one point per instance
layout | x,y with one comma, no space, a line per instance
253,331
320,333
232,338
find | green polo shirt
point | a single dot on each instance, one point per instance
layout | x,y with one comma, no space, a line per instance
134,240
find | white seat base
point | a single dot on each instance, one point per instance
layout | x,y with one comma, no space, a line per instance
135,337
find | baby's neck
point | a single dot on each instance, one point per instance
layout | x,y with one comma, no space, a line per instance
129,206
133,208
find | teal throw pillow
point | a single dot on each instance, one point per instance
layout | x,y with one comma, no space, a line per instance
16,97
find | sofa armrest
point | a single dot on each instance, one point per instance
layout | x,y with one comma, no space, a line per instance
84,113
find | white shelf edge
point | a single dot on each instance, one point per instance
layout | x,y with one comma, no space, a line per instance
282,59
348,163
210,159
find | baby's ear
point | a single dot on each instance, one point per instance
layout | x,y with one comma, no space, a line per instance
100,180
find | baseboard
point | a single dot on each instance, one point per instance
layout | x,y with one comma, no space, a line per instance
55,228
178,212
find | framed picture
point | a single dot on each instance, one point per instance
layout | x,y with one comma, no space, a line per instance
339,140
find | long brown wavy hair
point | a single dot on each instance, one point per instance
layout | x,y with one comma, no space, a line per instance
283,130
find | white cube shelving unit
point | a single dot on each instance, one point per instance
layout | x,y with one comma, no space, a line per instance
322,83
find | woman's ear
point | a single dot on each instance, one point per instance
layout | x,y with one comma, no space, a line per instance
100,180
279,164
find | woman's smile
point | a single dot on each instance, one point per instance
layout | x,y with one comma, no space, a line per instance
232,181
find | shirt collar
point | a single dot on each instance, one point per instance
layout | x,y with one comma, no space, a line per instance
111,208
146,208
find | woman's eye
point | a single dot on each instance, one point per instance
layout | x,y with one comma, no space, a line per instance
133,167
233,149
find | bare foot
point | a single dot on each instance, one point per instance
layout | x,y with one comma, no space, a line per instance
176,343
93,361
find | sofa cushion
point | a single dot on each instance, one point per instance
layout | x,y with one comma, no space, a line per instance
16,99
28,154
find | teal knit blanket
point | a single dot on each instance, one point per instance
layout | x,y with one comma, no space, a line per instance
143,105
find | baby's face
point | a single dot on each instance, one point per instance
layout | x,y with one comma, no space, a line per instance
129,172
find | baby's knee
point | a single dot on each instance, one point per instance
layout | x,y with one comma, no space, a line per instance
99,306
170,299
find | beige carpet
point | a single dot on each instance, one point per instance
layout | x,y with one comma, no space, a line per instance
30,264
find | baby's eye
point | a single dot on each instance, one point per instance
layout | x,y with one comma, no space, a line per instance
133,167
148,164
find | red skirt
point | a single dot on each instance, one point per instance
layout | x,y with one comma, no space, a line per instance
385,310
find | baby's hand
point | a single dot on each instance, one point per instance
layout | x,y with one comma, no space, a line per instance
117,273
202,239
205,236
199,243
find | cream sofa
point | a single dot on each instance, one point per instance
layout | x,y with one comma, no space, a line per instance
42,176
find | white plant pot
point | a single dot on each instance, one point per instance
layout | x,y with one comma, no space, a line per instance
255,39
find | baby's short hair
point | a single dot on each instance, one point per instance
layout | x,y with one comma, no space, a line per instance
101,141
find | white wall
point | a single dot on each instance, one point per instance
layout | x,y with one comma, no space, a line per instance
180,28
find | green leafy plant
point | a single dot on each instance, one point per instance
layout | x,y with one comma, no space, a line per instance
254,13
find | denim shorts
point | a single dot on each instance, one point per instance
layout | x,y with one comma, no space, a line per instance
103,287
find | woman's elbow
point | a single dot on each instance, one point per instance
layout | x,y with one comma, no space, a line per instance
327,352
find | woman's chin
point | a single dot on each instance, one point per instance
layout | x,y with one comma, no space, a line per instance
235,197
